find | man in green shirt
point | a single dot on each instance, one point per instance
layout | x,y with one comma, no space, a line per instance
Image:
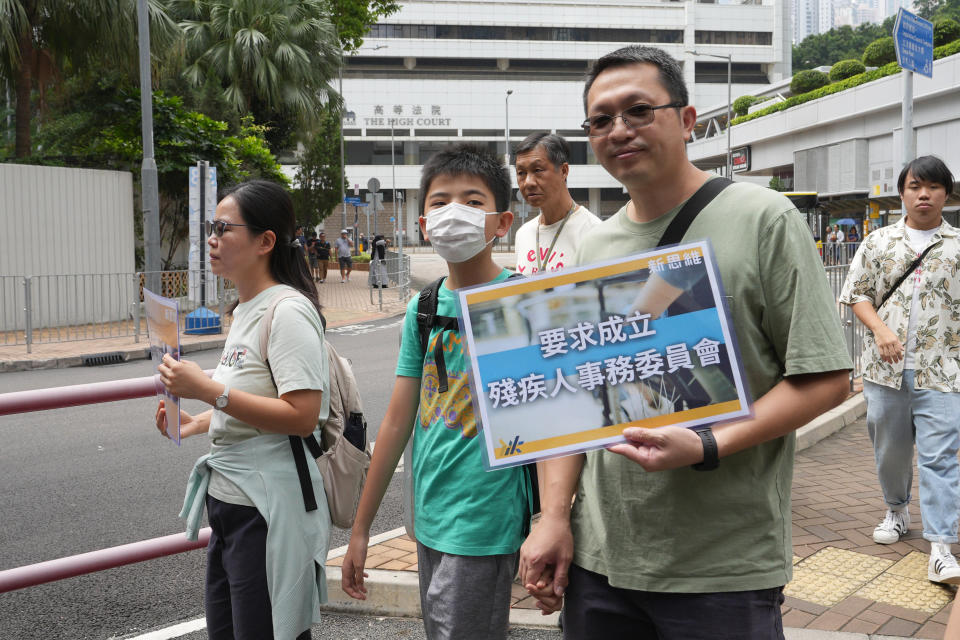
652,548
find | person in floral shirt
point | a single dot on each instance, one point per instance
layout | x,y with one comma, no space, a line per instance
912,354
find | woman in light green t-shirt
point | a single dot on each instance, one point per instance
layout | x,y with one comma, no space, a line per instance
248,482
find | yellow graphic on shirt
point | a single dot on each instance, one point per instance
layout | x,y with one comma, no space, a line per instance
454,408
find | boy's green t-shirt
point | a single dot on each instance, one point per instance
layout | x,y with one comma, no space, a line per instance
459,507
729,529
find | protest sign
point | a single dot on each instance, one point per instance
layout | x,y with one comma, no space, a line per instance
563,363
163,328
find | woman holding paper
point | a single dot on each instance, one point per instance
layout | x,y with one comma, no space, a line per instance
248,482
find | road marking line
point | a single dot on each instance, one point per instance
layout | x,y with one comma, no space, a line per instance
176,631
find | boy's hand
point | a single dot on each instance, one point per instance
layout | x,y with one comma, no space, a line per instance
352,573
545,558
547,601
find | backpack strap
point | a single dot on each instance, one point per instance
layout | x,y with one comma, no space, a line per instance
685,217
296,443
427,311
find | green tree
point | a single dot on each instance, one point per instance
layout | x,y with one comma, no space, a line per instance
352,18
945,31
102,130
318,179
841,43
41,38
934,9
273,59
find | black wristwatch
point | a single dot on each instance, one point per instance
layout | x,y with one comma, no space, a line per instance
711,458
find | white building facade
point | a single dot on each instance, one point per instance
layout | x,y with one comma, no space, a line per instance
439,72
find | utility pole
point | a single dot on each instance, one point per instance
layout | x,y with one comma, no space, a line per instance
150,191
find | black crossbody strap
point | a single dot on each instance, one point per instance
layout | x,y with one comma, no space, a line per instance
685,217
303,474
913,265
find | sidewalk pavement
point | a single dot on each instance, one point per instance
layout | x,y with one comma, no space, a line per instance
844,585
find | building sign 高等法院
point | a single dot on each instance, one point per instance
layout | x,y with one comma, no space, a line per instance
402,115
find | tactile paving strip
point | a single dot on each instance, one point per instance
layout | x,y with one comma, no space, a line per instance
919,595
913,565
847,564
820,588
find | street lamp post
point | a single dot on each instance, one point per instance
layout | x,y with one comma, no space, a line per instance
506,131
343,194
729,59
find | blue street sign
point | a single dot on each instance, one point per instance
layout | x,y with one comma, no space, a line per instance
913,40
355,200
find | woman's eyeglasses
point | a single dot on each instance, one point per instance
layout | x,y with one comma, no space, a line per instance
217,227
639,115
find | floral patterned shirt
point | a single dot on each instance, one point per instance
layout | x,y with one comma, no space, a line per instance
878,263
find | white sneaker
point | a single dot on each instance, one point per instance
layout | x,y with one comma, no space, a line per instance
943,566
895,525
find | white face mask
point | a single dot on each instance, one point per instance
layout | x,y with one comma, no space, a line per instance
458,232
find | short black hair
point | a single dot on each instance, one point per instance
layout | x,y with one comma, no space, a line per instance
929,169
555,146
671,73
468,159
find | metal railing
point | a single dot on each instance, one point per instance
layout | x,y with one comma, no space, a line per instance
853,330
393,275
837,253
64,308
90,562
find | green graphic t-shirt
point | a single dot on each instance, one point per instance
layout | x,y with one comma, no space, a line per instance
459,507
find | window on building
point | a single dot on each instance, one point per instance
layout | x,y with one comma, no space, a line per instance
742,73
503,32
734,37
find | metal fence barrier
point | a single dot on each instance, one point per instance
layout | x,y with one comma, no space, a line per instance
853,330
391,274
64,308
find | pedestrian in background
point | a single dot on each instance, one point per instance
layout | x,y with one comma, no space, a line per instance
903,287
550,240
343,246
323,255
266,553
312,256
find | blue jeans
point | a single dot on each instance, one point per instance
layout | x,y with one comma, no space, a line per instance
895,419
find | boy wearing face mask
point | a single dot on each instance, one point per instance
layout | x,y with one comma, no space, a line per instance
469,522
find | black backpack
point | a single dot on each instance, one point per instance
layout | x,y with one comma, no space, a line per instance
427,319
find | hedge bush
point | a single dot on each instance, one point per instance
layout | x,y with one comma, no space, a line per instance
887,70
846,69
945,31
880,52
742,104
808,80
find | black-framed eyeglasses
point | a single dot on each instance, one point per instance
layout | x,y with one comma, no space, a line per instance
639,115
217,227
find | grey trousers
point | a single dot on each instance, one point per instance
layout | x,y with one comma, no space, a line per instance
465,597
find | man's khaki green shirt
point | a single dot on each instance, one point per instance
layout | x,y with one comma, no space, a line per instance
725,530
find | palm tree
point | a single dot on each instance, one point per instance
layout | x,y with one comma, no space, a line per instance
40,37
273,58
